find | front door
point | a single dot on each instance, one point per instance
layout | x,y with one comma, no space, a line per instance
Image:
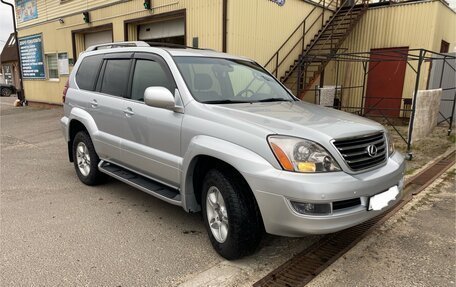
385,81
151,143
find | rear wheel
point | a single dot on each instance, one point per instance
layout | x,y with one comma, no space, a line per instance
6,92
230,215
86,160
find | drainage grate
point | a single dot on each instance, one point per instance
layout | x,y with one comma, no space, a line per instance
302,268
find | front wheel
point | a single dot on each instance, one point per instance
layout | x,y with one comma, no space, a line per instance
230,214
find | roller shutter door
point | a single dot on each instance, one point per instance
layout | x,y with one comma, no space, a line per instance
160,30
97,38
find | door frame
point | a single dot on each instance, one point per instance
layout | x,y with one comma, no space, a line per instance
100,28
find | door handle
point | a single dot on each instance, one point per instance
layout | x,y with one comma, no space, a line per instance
128,112
94,103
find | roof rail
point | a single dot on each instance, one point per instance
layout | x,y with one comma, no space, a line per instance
172,45
117,45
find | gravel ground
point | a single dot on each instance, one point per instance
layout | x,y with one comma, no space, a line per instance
424,150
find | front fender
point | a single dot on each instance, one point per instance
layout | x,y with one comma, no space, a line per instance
245,161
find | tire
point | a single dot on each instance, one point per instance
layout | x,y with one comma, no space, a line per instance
6,92
86,160
239,219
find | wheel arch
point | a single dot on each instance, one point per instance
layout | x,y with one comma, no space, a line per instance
75,126
79,120
204,153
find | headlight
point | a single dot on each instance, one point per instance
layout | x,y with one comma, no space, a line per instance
300,155
390,142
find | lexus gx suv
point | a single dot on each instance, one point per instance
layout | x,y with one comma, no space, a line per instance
217,133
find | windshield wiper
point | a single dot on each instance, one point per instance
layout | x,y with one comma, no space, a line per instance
273,100
224,102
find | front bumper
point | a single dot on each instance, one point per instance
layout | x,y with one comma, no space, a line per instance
274,189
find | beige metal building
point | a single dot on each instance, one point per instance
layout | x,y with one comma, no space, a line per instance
53,32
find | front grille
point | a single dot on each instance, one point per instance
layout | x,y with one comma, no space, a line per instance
337,205
354,151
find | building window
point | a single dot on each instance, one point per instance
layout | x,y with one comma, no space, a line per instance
52,66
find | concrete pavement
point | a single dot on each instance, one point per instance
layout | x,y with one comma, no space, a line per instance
416,247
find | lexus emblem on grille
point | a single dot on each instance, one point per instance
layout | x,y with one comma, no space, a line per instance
371,150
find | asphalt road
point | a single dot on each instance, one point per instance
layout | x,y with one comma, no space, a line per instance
57,231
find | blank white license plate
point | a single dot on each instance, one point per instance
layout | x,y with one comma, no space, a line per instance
381,200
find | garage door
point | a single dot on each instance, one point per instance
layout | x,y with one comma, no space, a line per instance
162,30
97,38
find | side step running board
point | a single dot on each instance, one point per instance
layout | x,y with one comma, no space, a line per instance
140,182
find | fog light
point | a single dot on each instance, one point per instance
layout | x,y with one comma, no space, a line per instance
311,208
307,167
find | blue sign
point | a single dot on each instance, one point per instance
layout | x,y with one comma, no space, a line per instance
31,51
26,10
279,2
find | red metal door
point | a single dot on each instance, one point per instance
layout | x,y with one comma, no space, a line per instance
385,81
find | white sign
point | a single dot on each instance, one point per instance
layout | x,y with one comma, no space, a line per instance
63,64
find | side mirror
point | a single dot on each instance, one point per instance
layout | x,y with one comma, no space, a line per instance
159,97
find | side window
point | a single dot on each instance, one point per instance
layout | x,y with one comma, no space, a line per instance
88,72
115,77
149,73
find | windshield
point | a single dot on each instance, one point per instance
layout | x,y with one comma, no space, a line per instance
218,80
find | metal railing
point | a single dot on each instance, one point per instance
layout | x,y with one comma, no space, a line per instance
345,10
296,42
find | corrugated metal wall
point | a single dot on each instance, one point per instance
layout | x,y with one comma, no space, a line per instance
445,28
413,25
203,20
257,28
50,9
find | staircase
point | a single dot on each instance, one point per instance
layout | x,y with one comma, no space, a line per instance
311,59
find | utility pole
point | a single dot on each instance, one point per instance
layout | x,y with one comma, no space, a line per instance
21,94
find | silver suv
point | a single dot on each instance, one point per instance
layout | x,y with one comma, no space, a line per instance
217,133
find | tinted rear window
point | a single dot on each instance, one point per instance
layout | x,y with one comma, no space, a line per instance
88,72
115,78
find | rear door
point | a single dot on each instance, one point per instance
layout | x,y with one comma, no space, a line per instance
106,104
152,137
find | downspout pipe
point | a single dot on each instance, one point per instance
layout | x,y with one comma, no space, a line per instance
224,24
21,95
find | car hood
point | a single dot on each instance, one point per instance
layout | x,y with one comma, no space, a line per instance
299,119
